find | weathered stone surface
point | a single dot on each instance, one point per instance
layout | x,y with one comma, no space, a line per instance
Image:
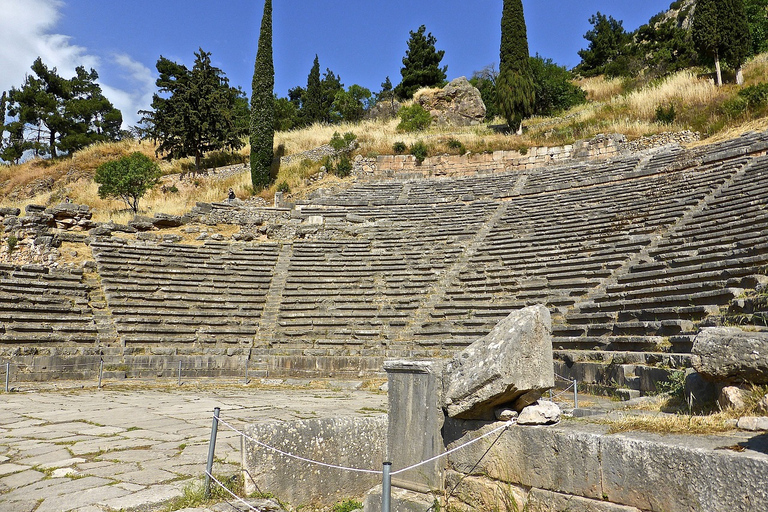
731,355
384,110
732,398
480,493
350,442
414,401
505,414
402,500
542,412
165,220
10,212
513,359
540,500
753,423
699,390
762,406
644,471
458,104
142,223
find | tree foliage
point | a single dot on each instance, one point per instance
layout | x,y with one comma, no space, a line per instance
606,52
514,85
720,31
757,17
198,111
128,178
555,90
485,82
53,114
263,105
350,105
421,64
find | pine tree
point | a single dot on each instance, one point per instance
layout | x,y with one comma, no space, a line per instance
312,100
263,105
421,64
738,41
514,86
200,113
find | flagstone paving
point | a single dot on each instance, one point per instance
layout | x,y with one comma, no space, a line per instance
91,450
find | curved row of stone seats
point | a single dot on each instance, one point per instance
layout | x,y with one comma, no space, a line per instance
362,291
185,294
697,269
43,306
556,247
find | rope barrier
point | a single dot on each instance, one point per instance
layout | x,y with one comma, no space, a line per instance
368,471
303,459
238,498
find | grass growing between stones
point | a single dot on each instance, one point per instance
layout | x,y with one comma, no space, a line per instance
193,494
671,424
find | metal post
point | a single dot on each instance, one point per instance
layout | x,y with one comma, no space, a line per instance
575,394
246,372
386,488
211,451
179,373
7,375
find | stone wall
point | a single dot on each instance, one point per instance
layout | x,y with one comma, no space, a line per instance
349,442
405,166
580,467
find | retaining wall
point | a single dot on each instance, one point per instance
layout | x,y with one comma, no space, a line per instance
406,166
581,467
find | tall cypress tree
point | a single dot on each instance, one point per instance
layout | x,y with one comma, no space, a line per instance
738,40
312,104
263,105
706,33
515,90
721,32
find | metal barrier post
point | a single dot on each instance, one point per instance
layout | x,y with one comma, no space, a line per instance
386,488
101,371
211,451
246,372
7,375
575,394
179,373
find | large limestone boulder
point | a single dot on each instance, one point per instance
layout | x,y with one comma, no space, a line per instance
730,355
513,360
458,104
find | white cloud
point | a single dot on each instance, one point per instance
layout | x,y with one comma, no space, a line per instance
27,32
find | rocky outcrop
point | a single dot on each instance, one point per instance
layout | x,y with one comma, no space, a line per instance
457,104
513,361
730,355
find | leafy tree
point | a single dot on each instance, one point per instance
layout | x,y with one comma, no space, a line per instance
286,115
757,17
199,113
514,85
128,178
555,90
330,86
263,105
608,42
664,46
421,64
350,105
485,82
414,119
721,32
58,114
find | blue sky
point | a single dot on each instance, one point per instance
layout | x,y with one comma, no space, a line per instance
362,41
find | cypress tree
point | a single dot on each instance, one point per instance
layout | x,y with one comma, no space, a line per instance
721,32
263,105
738,40
3,100
515,90
313,99
706,33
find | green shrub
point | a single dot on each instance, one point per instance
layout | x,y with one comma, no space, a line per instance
674,387
347,506
734,107
343,167
420,151
414,119
665,115
284,187
756,96
399,148
456,145
340,143
216,159
173,189
12,242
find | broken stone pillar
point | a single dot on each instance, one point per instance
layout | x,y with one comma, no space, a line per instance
415,423
511,366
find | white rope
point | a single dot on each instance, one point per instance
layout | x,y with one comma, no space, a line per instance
563,378
238,498
310,461
505,426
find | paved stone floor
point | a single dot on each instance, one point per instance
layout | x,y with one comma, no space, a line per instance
136,448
